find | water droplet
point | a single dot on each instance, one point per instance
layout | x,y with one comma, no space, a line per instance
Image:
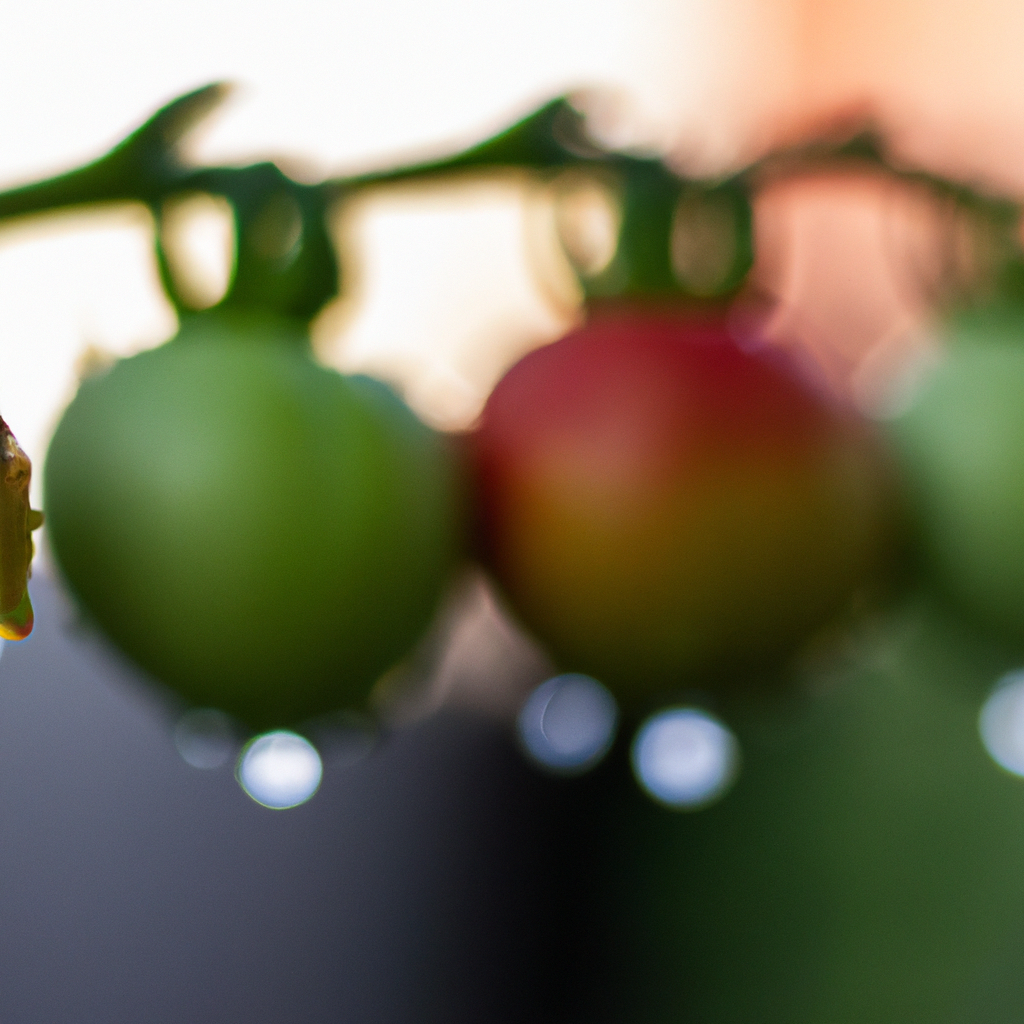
1001,723
685,758
568,723
280,769
205,738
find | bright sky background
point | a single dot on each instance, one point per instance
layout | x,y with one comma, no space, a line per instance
446,289
447,296
349,84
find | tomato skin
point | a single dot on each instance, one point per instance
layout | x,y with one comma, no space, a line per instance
961,451
664,509
260,533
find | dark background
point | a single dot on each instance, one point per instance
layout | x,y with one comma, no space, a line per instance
441,879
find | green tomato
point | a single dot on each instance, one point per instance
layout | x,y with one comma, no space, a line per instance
868,865
961,447
260,533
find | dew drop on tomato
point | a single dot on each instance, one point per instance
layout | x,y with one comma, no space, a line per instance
280,770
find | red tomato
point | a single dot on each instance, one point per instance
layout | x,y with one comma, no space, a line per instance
663,508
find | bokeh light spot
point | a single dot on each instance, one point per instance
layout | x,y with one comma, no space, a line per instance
279,770
1001,723
685,758
568,723
205,738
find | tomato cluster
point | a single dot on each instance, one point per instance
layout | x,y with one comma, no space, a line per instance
665,509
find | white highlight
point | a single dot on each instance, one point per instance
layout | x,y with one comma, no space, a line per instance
205,738
280,770
568,723
199,240
685,758
1001,723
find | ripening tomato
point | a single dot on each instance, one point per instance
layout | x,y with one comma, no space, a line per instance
260,533
961,446
663,508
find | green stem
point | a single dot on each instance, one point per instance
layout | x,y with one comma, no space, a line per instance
550,139
143,167
554,140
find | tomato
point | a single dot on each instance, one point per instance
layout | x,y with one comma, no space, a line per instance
866,866
961,446
663,508
260,533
